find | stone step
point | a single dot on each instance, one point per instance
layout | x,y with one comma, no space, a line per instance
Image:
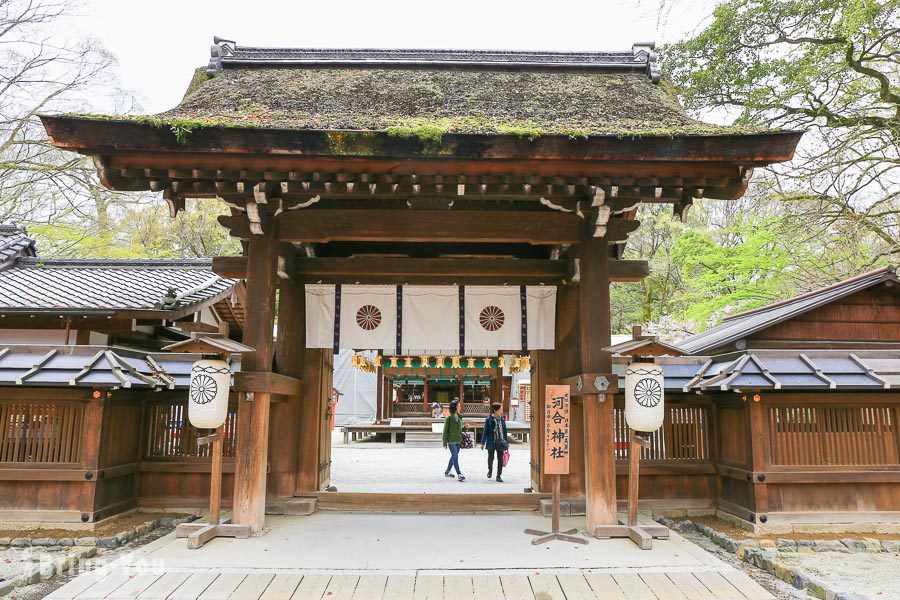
423,439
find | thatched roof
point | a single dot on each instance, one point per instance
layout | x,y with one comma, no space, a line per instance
430,93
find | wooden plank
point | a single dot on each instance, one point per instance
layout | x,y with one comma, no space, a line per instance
164,586
429,587
135,586
690,586
106,586
195,585
749,588
458,586
420,271
312,586
487,586
224,585
77,586
400,587
253,586
516,586
575,587
546,587
719,586
633,586
273,383
281,587
370,587
662,586
454,226
341,587
604,586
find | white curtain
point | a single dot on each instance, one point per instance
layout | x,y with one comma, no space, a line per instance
430,321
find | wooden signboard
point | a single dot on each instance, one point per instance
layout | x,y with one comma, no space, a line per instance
557,404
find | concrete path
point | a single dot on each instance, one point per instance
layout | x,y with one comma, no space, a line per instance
340,555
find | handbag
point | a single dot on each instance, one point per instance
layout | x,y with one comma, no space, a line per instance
505,457
466,441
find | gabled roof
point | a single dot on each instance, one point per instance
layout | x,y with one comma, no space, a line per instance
102,367
14,242
741,325
644,346
110,286
791,370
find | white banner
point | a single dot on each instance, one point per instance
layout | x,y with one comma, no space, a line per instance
493,319
369,317
430,320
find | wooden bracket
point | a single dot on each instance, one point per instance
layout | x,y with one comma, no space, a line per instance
264,381
200,533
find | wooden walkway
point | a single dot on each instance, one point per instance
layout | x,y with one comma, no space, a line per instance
171,585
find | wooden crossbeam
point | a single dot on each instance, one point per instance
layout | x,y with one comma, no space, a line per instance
465,271
500,226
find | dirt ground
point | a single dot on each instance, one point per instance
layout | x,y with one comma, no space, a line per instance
736,533
875,575
112,527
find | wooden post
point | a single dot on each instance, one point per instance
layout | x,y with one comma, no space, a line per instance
758,448
425,393
251,457
215,476
287,416
91,440
380,411
634,461
594,313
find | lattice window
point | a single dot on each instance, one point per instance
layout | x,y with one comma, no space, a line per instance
41,432
833,435
170,435
683,436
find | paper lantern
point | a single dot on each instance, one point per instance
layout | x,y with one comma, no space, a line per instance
644,387
208,393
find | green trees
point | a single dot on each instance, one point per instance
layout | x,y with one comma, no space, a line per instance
830,67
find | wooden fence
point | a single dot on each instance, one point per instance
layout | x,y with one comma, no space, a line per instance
833,435
41,432
170,435
684,435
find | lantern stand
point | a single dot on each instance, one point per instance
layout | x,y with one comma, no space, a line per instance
213,347
641,349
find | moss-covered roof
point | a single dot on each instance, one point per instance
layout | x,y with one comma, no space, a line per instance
430,102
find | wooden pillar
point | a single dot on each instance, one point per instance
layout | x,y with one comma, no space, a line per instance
251,457
379,395
759,458
425,393
387,396
91,440
461,394
313,410
594,317
290,347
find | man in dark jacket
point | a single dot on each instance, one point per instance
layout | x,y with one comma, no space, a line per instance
494,437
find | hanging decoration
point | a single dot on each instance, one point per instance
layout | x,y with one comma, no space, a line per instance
424,361
470,362
208,393
644,406
520,364
454,362
431,320
407,362
394,360
439,361
363,363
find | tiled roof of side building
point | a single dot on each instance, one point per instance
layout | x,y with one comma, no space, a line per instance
84,286
431,92
741,325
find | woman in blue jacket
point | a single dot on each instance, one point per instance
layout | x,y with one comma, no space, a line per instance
494,437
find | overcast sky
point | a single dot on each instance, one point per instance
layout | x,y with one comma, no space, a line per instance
160,43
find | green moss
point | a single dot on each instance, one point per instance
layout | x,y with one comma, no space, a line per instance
525,130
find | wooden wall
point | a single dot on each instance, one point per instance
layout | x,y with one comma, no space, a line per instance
869,316
787,453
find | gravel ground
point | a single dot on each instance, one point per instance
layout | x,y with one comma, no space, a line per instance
875,575
778,588
39,590
376,466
